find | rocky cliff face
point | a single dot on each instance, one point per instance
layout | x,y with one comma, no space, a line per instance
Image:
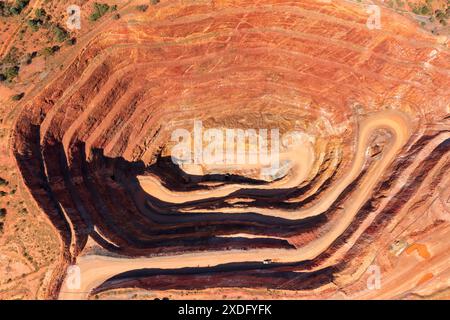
369,182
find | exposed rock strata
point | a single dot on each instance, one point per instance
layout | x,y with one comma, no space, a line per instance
378,115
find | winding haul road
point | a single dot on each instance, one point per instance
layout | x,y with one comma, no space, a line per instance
95,269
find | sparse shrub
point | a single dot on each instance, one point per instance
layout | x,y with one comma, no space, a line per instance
5,9
142,7
34,24
11,73
100,9
71,41
154,2
12,57
116,16
2,77
19,6
40,13
114,7
3,182
60,33
14,11
18,96
39,20
30,56
49,51
425,10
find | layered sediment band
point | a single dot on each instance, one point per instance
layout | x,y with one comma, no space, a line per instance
93,146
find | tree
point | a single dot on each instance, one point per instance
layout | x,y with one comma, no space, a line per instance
30,56
18,8
12,72
21,4
3,182
425,10
40,13
71,41
34,24
14,11
100,9
60,33
5,9
142,7
18,96
49,51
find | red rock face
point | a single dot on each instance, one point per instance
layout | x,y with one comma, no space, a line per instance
93,148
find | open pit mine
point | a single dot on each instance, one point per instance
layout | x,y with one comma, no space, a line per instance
243,149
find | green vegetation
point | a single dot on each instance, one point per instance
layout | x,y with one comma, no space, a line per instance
60,33
11,73
71,41
30,56
7,9
427,10
142,7
400,4
421,9
2,217
100,9
14,11
41,19
12,57
40,13
49,51
3,182
18,96
10,65
442,15
21,4
114,7
34,24
154,2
